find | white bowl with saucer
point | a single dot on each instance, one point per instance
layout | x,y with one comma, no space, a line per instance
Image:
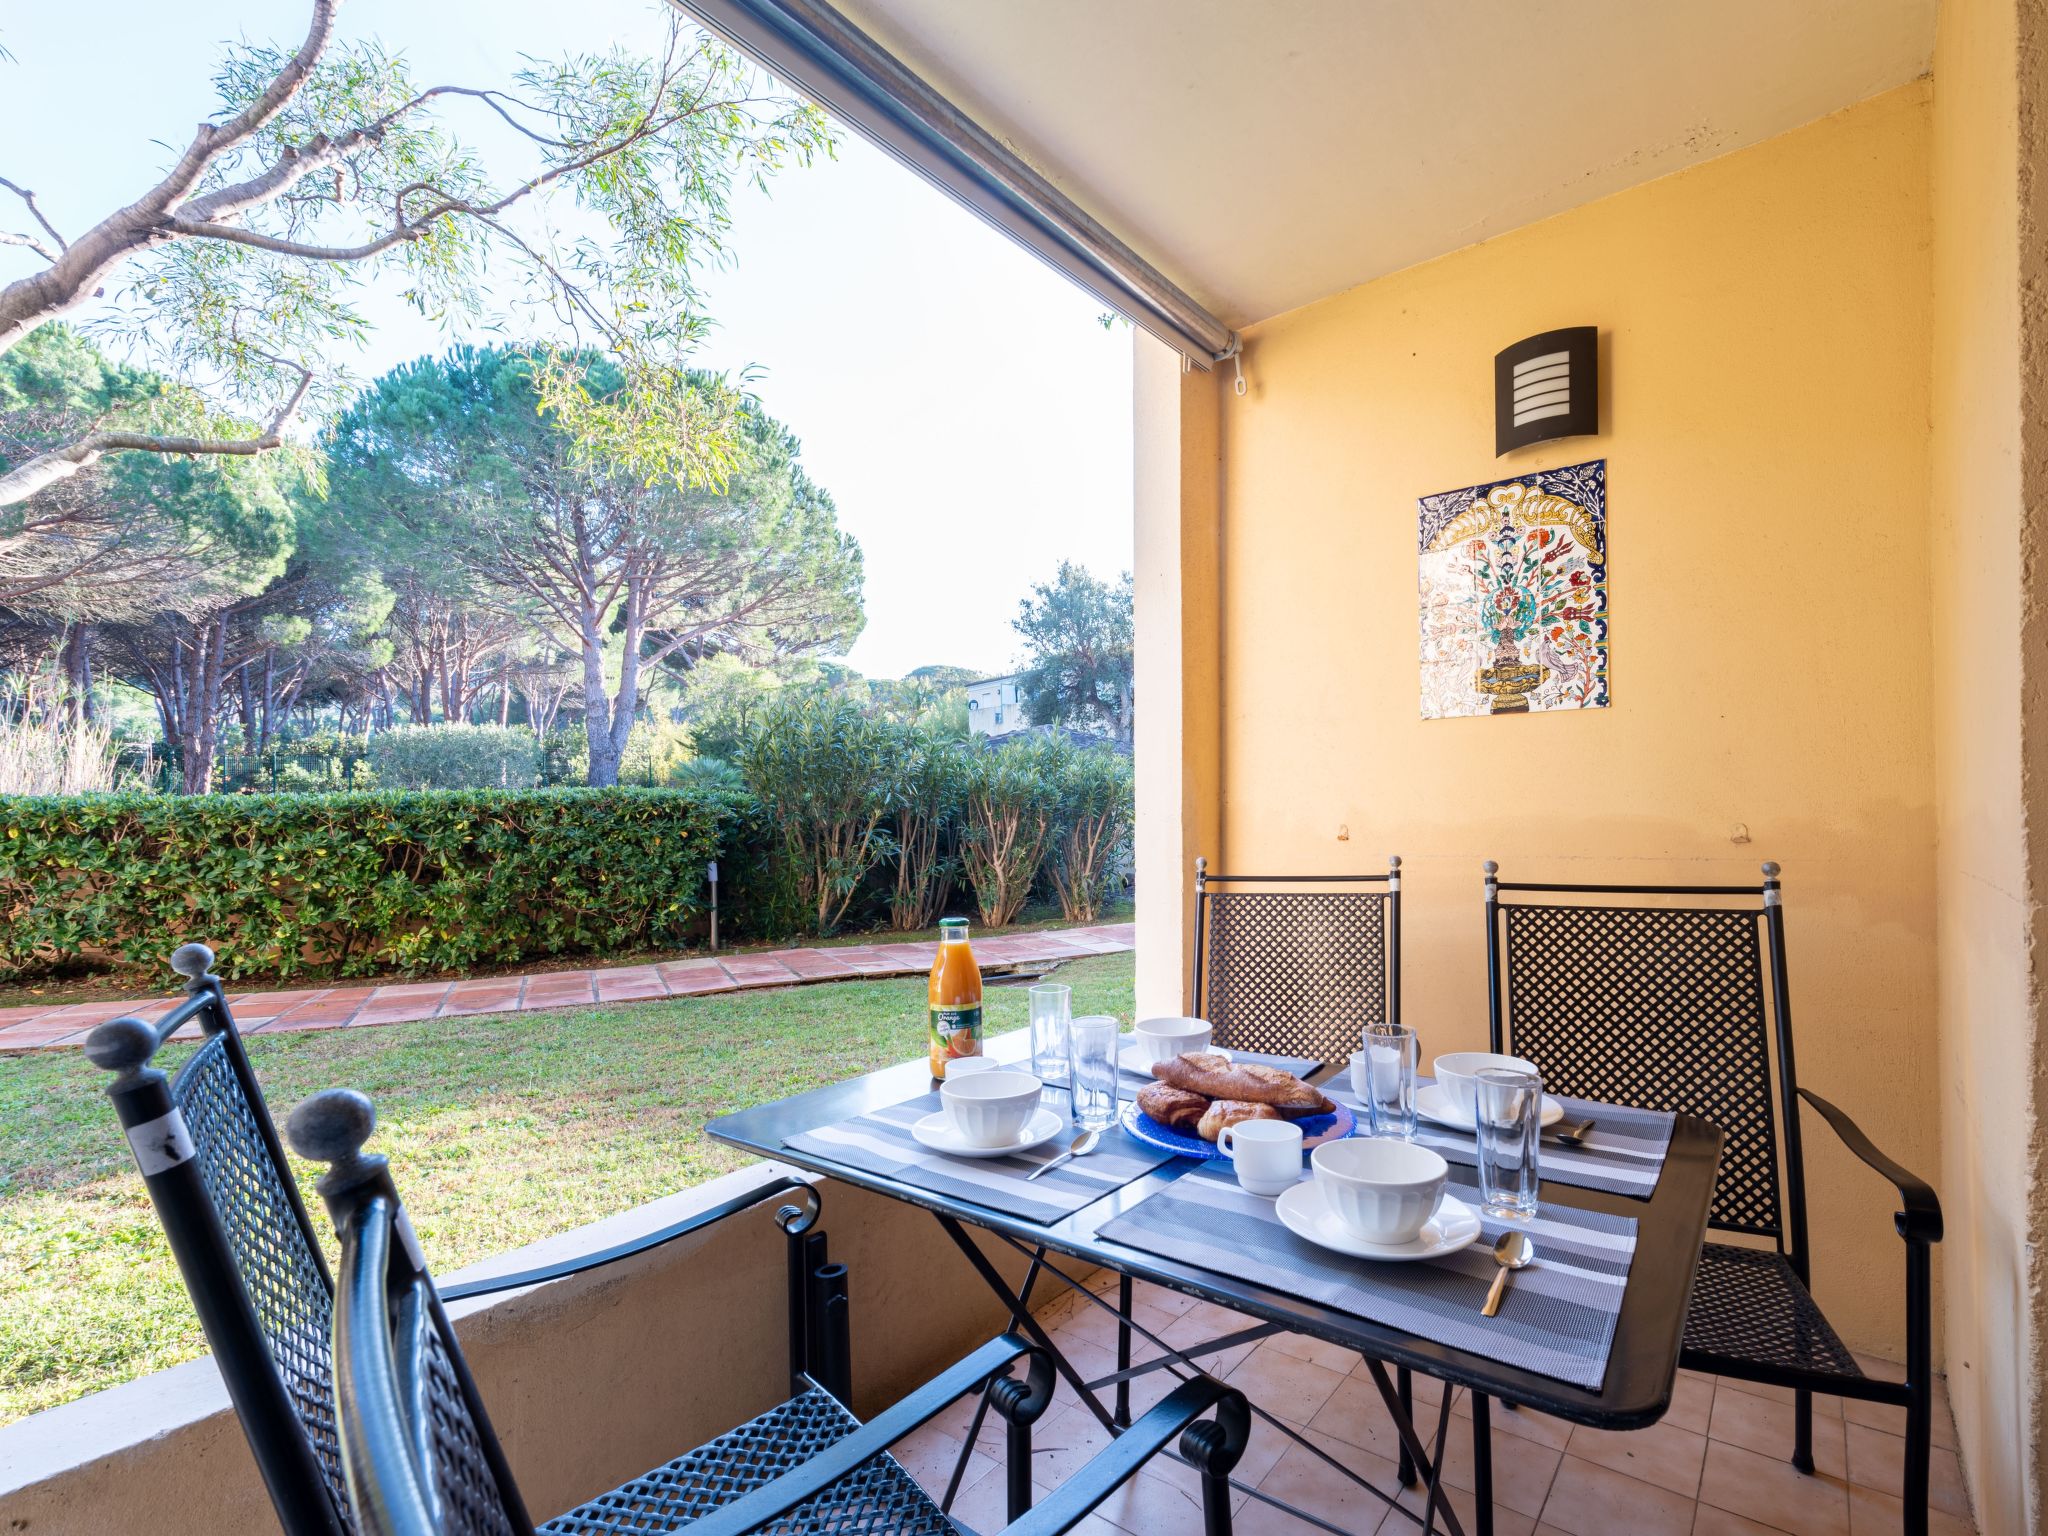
1450,1100
1163,1039
1381,1189
994,1112
1305,1211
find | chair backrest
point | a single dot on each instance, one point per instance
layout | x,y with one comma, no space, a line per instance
1662,1006
1298,964
420,1453
230,1207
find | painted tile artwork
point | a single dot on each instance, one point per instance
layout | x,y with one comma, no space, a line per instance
1513,583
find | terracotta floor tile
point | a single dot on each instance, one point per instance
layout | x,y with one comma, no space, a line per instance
1773,1491
1522,1470
810,963
1524,1423
410,992
1872,1513
1824,1407
1193,1328
1761,1425
1663,1454
697,983
1878,1460
1506,1522
621,989
1294,1389
929,1455
1355,1415
1591,1500
1892,1419
1692,1404
38,1033
1302,1478
312,1015
1330,1356
482,1000
1719,1522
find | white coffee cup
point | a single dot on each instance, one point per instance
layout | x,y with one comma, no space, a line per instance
990,1108
1455,1073
1266,1154
1163,1039
1382,1189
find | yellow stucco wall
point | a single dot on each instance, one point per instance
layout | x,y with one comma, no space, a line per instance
1764,328
1988,505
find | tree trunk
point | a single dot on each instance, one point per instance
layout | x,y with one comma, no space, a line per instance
269,701
76,660
603,755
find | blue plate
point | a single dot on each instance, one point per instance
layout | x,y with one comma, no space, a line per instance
1315,1130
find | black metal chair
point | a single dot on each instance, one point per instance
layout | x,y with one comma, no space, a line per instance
1664,1007
1295,968
216,1172
421,1458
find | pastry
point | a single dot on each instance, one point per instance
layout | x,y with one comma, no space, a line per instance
1222,1112
1173,1107
1218,1077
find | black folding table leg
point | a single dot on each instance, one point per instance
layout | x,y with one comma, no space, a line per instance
1123,1350
1482,1463
1404,1387
1411,1443
1802,1431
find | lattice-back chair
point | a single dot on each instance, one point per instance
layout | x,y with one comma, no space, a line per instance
1685,1008
422,1460
1293,967
217,1175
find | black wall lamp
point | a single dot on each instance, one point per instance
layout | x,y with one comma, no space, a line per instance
1547,386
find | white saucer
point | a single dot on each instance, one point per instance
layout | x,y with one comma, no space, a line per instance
1432,1103
936,1131
1306,1214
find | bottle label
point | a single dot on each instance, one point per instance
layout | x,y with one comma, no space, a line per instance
957,1031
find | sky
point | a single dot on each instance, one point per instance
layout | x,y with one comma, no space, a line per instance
960,400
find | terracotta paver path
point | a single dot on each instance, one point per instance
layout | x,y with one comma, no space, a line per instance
48,1027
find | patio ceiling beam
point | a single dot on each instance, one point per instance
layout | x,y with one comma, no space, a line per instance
823,55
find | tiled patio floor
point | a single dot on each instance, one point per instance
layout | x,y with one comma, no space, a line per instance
345,1007
1716,1465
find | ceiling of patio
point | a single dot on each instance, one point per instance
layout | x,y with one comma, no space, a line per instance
1265,155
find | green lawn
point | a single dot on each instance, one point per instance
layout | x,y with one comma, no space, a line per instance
501,1130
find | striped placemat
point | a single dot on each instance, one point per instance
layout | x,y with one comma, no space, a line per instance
1622,1155
1557,1318
880,1142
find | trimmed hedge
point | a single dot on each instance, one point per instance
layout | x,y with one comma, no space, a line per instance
350,884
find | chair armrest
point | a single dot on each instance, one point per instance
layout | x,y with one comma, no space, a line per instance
1068,1506
491,1285
772,1500
1920,1221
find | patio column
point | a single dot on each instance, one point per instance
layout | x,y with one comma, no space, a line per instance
1989,488
1178,600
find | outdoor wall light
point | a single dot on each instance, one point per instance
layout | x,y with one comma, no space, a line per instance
1546,386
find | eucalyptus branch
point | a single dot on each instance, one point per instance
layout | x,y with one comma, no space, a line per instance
36,212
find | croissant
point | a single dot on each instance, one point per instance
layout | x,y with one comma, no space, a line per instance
1222,1112
1218,1077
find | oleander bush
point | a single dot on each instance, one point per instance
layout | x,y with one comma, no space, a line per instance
456,757
351,884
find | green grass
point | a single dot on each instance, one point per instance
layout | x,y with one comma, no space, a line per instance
500,1129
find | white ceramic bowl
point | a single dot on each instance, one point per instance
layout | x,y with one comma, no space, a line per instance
990,1109
1455,1074
1164,1039
1382,1189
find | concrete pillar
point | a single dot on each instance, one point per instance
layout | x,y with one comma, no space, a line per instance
1178,602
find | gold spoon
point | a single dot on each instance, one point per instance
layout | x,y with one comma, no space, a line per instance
1083,1145
1514,1250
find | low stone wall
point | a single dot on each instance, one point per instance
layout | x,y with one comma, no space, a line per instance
589,1380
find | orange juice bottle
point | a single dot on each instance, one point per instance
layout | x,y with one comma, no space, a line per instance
954,998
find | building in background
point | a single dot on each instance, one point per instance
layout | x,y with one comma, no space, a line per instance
993,709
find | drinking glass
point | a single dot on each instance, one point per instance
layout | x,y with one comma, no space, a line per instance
1508,1106
1389,1090
1051,1007
1092,1044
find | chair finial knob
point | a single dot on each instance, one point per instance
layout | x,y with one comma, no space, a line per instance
1393,861
332,1126
192,961
121,1045
1491,868
1770,869
1201,863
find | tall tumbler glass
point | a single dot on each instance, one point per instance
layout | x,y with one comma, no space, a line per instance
1051,1007
1508,1105
1389,1065
1092,1044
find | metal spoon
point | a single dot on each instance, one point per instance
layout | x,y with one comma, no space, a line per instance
1512,1251
1082,1146
1571,1133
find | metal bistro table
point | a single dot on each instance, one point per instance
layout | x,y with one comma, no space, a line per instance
1642,1363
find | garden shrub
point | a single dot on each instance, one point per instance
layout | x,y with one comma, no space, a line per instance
930,789
825,772
350,884
1096,808
1007,823
456,757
